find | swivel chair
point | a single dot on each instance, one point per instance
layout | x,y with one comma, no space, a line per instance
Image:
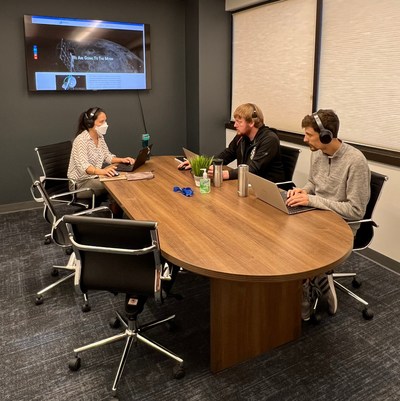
54,161
363,238
289,158
59,235
38,198
120,256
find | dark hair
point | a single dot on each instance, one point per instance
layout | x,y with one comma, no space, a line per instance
329,120
87,118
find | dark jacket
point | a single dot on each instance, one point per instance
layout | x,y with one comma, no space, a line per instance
262,155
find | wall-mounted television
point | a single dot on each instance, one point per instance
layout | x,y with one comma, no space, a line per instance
70,54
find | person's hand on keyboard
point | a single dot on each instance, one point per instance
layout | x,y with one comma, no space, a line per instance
128,160
297,197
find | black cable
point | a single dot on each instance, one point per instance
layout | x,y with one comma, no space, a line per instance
141,110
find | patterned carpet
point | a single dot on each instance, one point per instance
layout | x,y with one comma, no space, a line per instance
343,358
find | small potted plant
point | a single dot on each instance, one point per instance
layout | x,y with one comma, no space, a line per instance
198,163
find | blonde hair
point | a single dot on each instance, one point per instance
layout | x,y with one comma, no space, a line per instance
250,112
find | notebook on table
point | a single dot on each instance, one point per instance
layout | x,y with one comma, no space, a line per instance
139,160
270,193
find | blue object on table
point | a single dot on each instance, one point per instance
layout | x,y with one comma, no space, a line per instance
187,191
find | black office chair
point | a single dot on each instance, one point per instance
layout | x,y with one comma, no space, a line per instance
120,256
59,234
54,161
363,238
38,198
289,158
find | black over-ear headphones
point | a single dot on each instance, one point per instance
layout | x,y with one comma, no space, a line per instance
88,117
325,135
254,115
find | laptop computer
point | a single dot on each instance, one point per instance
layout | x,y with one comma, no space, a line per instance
139,160
270,193
189,154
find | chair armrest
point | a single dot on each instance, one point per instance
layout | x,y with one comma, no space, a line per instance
285,185
36,198
95,210
56,179
76,191
43,179
362,221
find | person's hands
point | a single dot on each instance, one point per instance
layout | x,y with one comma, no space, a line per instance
184,166
128,160
297,197
110,171
225,173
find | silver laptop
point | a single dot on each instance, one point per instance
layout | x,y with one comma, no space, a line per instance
189,154
269,192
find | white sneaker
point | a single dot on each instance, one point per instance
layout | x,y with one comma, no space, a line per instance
327,288
331,295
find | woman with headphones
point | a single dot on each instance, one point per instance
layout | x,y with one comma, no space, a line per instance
90,154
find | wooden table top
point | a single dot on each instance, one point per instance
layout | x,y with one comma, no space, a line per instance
222,235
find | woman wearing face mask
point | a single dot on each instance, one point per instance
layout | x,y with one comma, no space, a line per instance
90,152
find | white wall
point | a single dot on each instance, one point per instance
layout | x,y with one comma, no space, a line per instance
387,211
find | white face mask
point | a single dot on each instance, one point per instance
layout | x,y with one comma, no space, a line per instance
102,129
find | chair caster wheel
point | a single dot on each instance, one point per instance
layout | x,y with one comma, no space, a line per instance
68,251
178,372
55,272
86,308
367,314
356,283
47,241
114,323
39,300
74,364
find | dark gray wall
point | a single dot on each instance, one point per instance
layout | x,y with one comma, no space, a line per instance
208,56
179,66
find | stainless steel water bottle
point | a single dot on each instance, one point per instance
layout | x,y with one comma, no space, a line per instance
217,174
243,180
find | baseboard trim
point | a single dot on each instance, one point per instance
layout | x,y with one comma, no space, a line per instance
381,259
19,207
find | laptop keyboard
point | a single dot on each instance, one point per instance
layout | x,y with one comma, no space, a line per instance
124,167
294,209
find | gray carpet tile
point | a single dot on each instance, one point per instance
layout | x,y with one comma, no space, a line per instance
343,358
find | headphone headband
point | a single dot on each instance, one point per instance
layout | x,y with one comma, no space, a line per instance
92,112
254,114
88,117
325,135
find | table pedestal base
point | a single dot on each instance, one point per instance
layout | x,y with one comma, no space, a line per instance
248,319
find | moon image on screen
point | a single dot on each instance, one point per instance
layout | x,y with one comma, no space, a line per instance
99,55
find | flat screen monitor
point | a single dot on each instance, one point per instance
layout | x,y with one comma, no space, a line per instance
70,54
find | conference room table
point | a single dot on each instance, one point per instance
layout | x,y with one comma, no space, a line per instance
255,256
